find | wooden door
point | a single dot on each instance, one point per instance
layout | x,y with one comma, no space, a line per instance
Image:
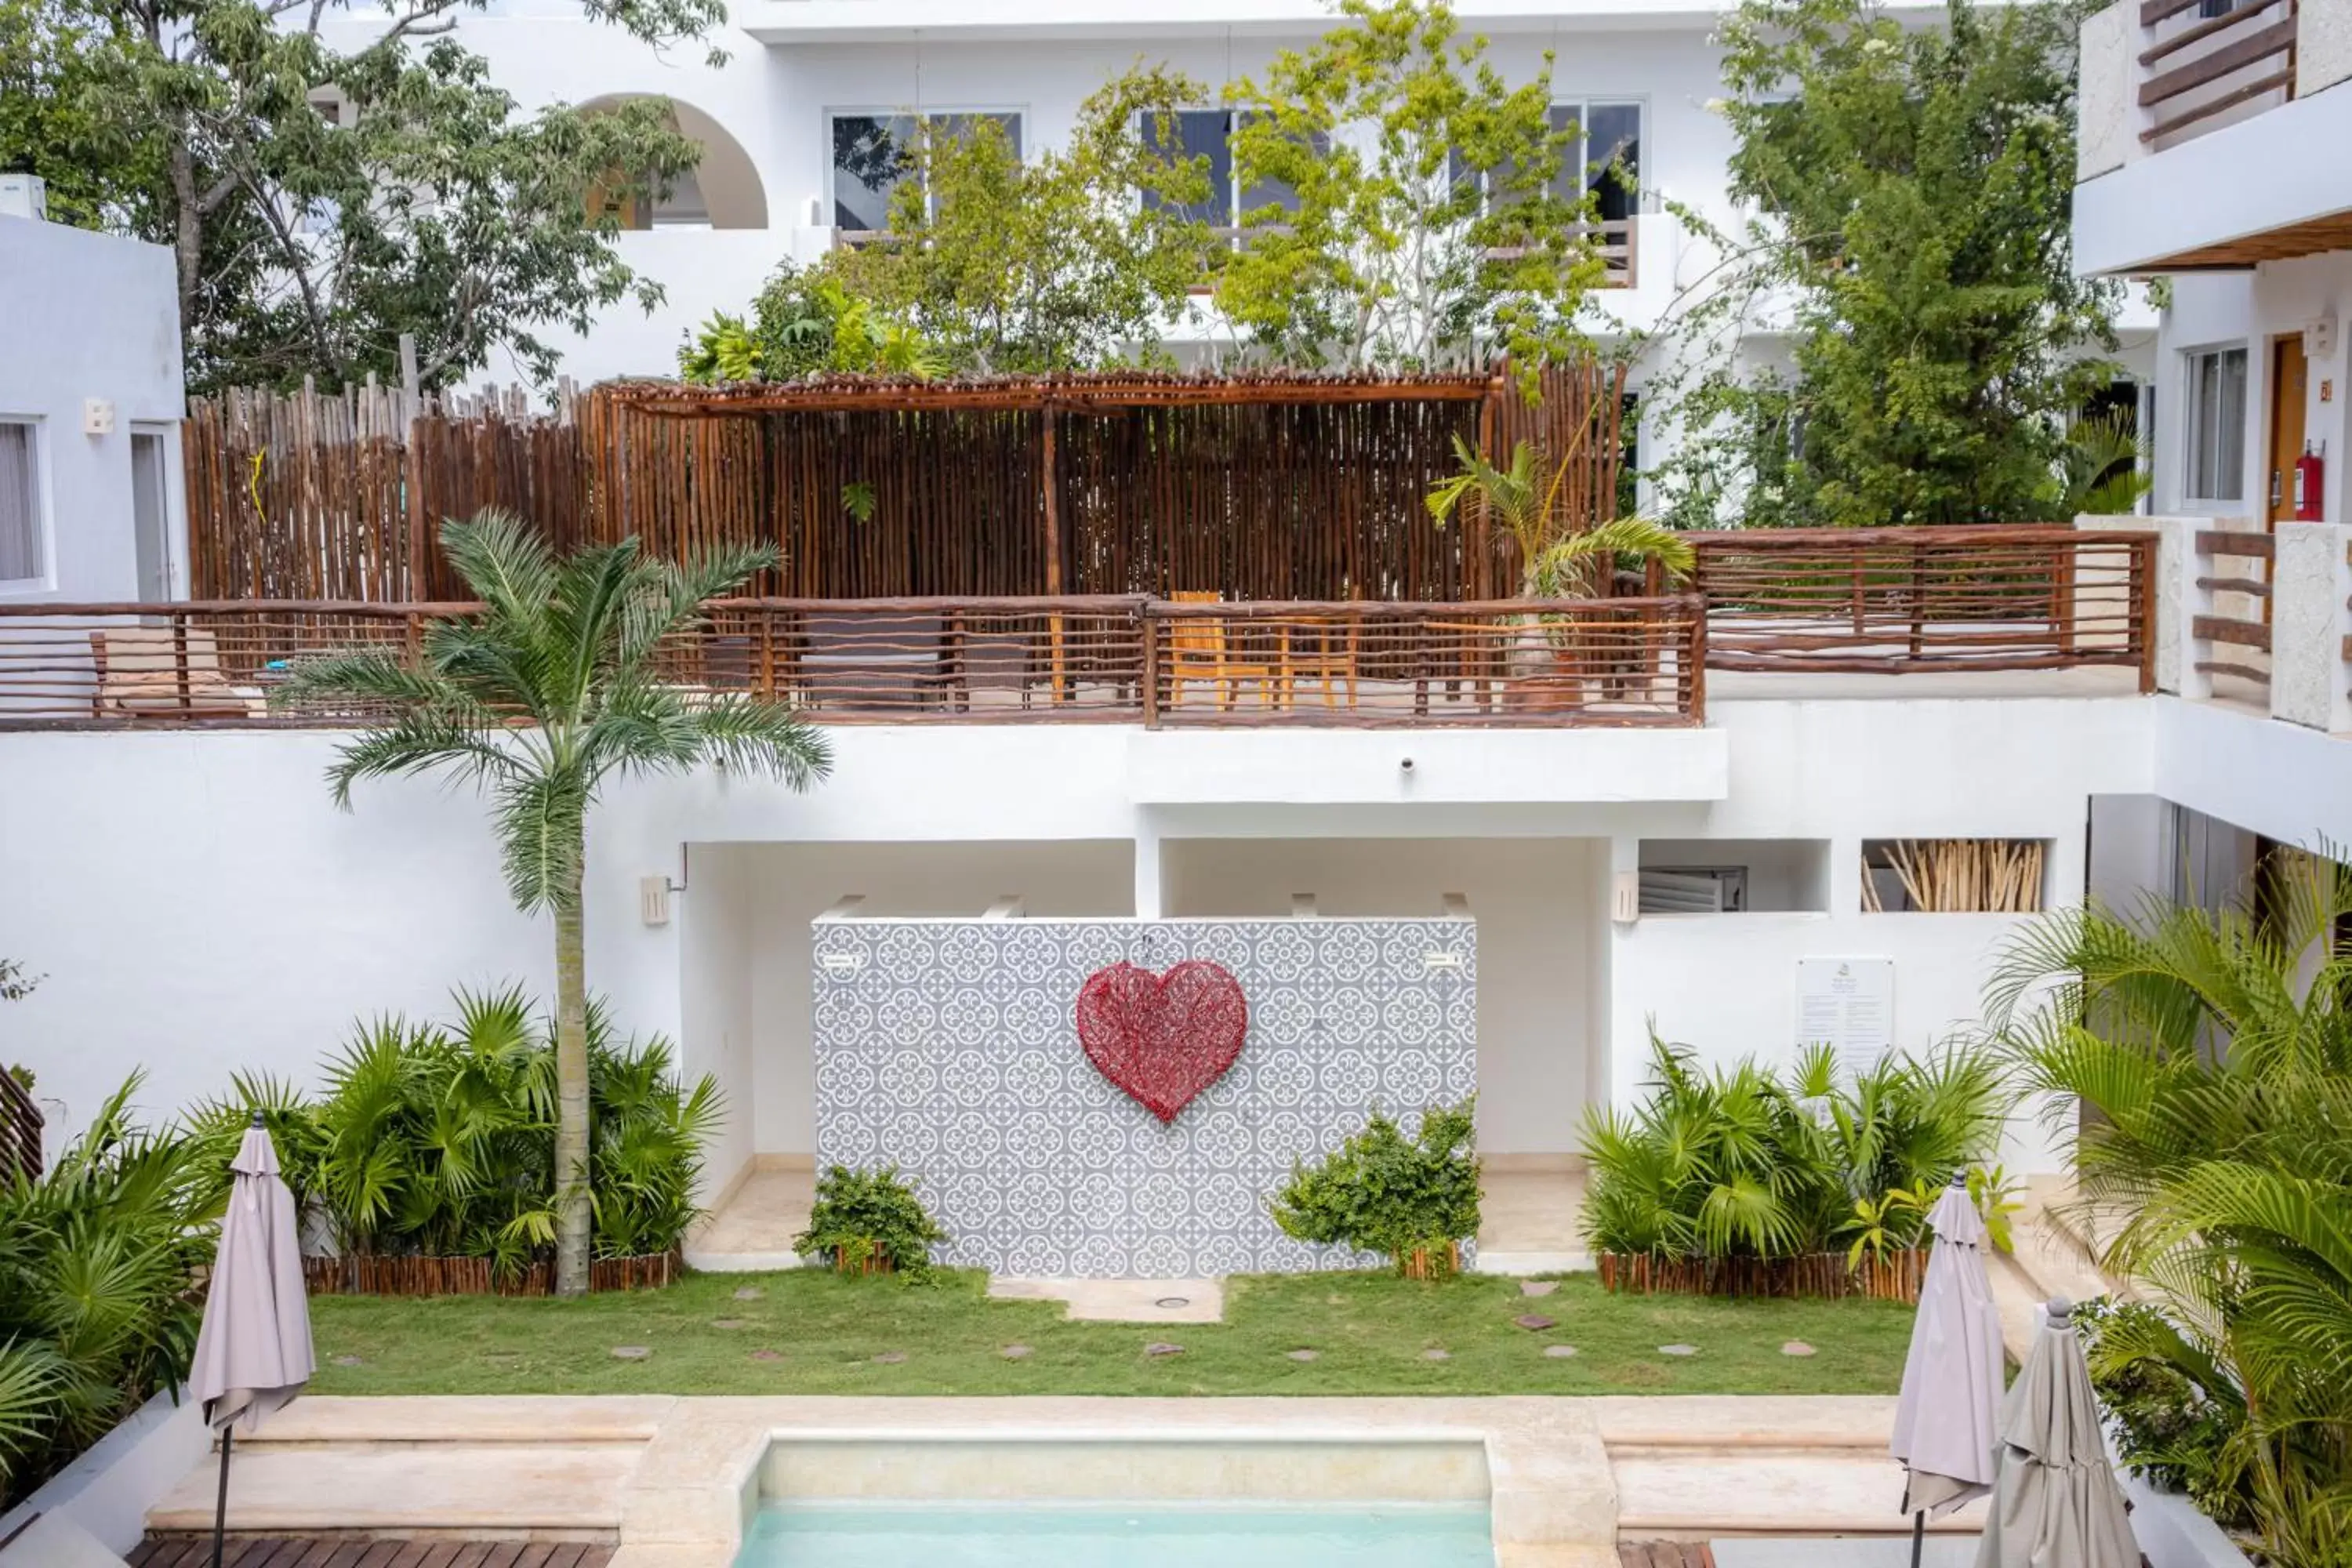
2290,376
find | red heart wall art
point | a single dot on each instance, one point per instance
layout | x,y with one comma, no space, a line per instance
1162,1039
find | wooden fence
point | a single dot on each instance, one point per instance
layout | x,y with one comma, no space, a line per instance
20,1130
1268,487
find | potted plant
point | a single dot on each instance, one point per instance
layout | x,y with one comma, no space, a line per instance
869,1222
1560,556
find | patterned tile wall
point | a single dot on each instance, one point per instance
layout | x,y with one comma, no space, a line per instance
947,1047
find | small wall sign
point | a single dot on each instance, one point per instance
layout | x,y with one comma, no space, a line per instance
1847,1004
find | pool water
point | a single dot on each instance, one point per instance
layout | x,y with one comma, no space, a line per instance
1154,1535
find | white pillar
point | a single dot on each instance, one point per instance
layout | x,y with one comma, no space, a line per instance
2310,584
1148,899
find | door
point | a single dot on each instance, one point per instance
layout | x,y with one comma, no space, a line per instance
150,515
2289,382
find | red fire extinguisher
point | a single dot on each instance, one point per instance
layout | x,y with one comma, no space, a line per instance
2309,471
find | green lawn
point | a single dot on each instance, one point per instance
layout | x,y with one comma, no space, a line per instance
814,1333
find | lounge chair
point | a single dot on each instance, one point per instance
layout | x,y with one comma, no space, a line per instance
166,672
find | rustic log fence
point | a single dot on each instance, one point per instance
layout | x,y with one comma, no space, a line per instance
20,1130
1897,1276
1281,487
374,1274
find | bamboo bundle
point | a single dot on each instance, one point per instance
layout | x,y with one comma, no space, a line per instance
1897,1276
1951,876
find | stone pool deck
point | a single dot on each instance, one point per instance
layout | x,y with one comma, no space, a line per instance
665,1480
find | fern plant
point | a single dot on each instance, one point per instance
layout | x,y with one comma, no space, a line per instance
868,1222
1410,1197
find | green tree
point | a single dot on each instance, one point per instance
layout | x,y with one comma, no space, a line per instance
805,321
1913,183
1412,213
1081,256
2213,1056
569,648
321,202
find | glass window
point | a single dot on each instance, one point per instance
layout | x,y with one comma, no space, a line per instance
873,153
1198,133
20,504
2217,425
1604,155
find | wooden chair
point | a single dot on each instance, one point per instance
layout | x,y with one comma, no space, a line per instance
1321,648
1199,647
166,672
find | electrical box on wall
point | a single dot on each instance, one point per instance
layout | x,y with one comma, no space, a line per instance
97,417
2319,338
653,901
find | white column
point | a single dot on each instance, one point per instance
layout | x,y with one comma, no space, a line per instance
2309,586
1148,899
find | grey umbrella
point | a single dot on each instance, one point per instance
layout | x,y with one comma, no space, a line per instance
1951,1378
2056,1503
253,1354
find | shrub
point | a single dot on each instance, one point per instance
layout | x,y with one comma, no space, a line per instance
2166,1429
1739,1162
98,1261
1410,1198
439,1139
868,1222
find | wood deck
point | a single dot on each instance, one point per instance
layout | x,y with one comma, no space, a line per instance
345,1552
1665,1554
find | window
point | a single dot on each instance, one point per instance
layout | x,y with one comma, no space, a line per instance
1603,157
1208,133
21,553
873,153
2217,425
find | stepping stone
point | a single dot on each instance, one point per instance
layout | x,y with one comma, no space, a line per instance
749,1293
890,1358
1797,1347
1534,1322
1678,1350
1014,1352
767,1355
1161,1347
632,1352
349,1360
1560,1352
1303,1355
1436,1355
1537,1287
727,1323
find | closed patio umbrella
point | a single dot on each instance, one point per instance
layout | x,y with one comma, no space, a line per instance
253,1354
2056,1503
1944,1430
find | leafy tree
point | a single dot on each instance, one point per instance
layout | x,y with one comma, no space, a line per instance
46,124
307,246
1078,257
1558,553
1415,218
1913,184
2213,1052
1413,1197
15,983
553,691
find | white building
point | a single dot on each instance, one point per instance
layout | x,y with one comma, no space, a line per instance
90,403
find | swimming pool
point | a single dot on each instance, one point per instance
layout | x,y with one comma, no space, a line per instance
1093,1535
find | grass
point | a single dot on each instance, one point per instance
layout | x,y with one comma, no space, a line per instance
812,1331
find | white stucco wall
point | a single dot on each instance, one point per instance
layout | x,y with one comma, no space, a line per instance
199,907
90,316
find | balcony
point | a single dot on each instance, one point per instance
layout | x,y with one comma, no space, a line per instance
1770,610
2200,122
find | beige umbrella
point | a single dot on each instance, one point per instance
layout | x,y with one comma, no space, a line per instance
2056,1504
253,1354
1951,1379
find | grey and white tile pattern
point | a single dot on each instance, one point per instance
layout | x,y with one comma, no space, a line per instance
947,1047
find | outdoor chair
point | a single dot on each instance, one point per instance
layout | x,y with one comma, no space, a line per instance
166,672
885,660
1324,648
1203,647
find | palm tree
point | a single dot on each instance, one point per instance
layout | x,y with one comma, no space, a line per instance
549,692
1556,557
2103,468
2214,1052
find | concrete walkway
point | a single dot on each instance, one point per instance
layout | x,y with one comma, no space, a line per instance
670,1480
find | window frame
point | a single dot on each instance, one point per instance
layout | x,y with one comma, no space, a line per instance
1231,225
1018,113
44,542
2196,479
1580,108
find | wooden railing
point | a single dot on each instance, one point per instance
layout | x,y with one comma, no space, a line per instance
1892,600
2196,62
2232,629
1514,661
